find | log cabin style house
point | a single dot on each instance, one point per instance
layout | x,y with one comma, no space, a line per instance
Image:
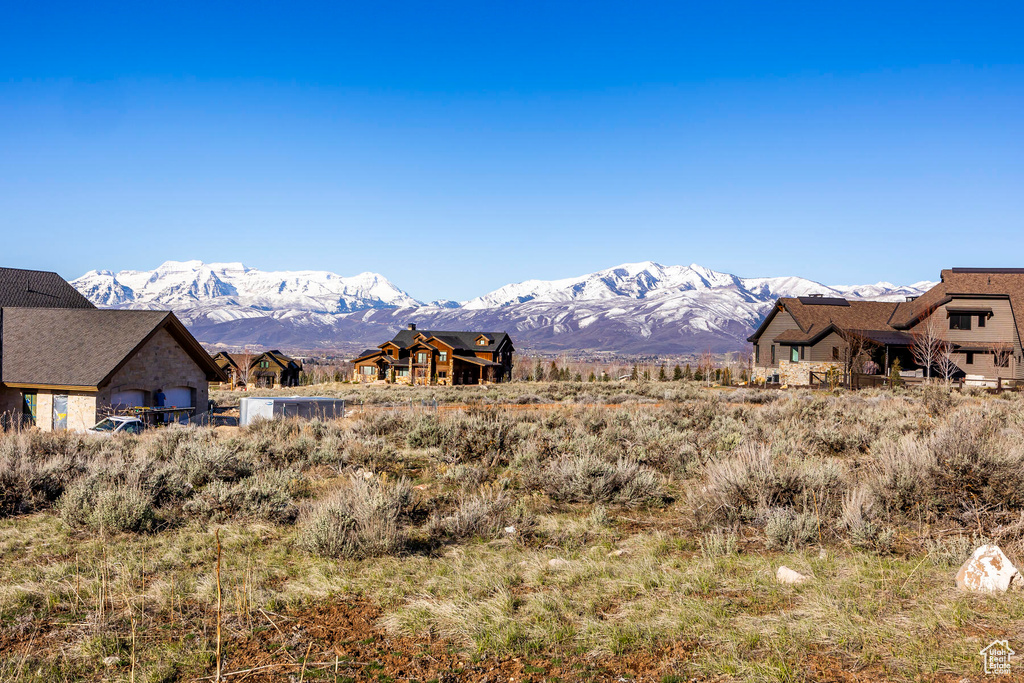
976,313
269,369
438,357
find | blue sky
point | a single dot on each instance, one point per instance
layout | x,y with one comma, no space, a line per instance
455,147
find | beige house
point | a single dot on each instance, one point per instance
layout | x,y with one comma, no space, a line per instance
66,364
975,312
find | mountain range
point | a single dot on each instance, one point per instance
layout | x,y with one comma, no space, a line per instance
634,308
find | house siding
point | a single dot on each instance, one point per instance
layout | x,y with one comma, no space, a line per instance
1001,327
780,323
822,351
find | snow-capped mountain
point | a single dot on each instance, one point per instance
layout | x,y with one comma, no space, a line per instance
633,308
184,284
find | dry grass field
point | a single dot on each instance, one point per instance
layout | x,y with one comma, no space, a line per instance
631,533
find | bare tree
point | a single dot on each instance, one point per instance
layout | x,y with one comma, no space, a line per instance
946,362
707,366
855,350
1001,353
243,366
747,363
929,341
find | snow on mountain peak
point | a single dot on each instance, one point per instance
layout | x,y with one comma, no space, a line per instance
643,306
181,284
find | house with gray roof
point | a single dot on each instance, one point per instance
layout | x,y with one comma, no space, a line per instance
65,363
438,357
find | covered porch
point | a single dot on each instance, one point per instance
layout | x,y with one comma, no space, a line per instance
473,370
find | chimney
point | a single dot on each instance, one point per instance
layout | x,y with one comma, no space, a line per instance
412,326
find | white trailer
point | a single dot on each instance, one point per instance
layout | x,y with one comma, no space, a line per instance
271,407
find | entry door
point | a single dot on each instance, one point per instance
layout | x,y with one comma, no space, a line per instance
60,412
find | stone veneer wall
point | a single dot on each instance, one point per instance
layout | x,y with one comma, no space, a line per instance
160,364
795,374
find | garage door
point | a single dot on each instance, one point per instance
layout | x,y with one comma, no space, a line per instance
178,397
129,399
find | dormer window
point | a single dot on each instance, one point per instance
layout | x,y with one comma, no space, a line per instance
482,341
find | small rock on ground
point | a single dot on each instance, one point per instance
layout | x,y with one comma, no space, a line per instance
988,569
787,575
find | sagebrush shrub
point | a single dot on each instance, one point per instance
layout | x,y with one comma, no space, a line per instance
265,496
105,506
362,519
588,478
485,514
786,529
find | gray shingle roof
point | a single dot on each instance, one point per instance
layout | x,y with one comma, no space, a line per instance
38,289
459,340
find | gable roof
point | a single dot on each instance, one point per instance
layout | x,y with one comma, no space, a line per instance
367,353
971,283
459,340
83,347
816,319
38,289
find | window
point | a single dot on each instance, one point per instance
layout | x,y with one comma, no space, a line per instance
367,369
442,374
970,358
835,353
483,341
794,354
402,372
29,406
981,319
442,356
960,321
264,364
757,353
773,354
421,357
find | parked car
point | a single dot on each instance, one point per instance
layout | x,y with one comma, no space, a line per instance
118,425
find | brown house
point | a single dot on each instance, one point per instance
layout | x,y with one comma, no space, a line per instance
438,357
271,369
976,313
64,363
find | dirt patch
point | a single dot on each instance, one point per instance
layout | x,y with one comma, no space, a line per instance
342,638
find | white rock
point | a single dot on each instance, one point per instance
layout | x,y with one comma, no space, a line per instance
787,575
618,552
112,660
510,530
558,563
988,569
